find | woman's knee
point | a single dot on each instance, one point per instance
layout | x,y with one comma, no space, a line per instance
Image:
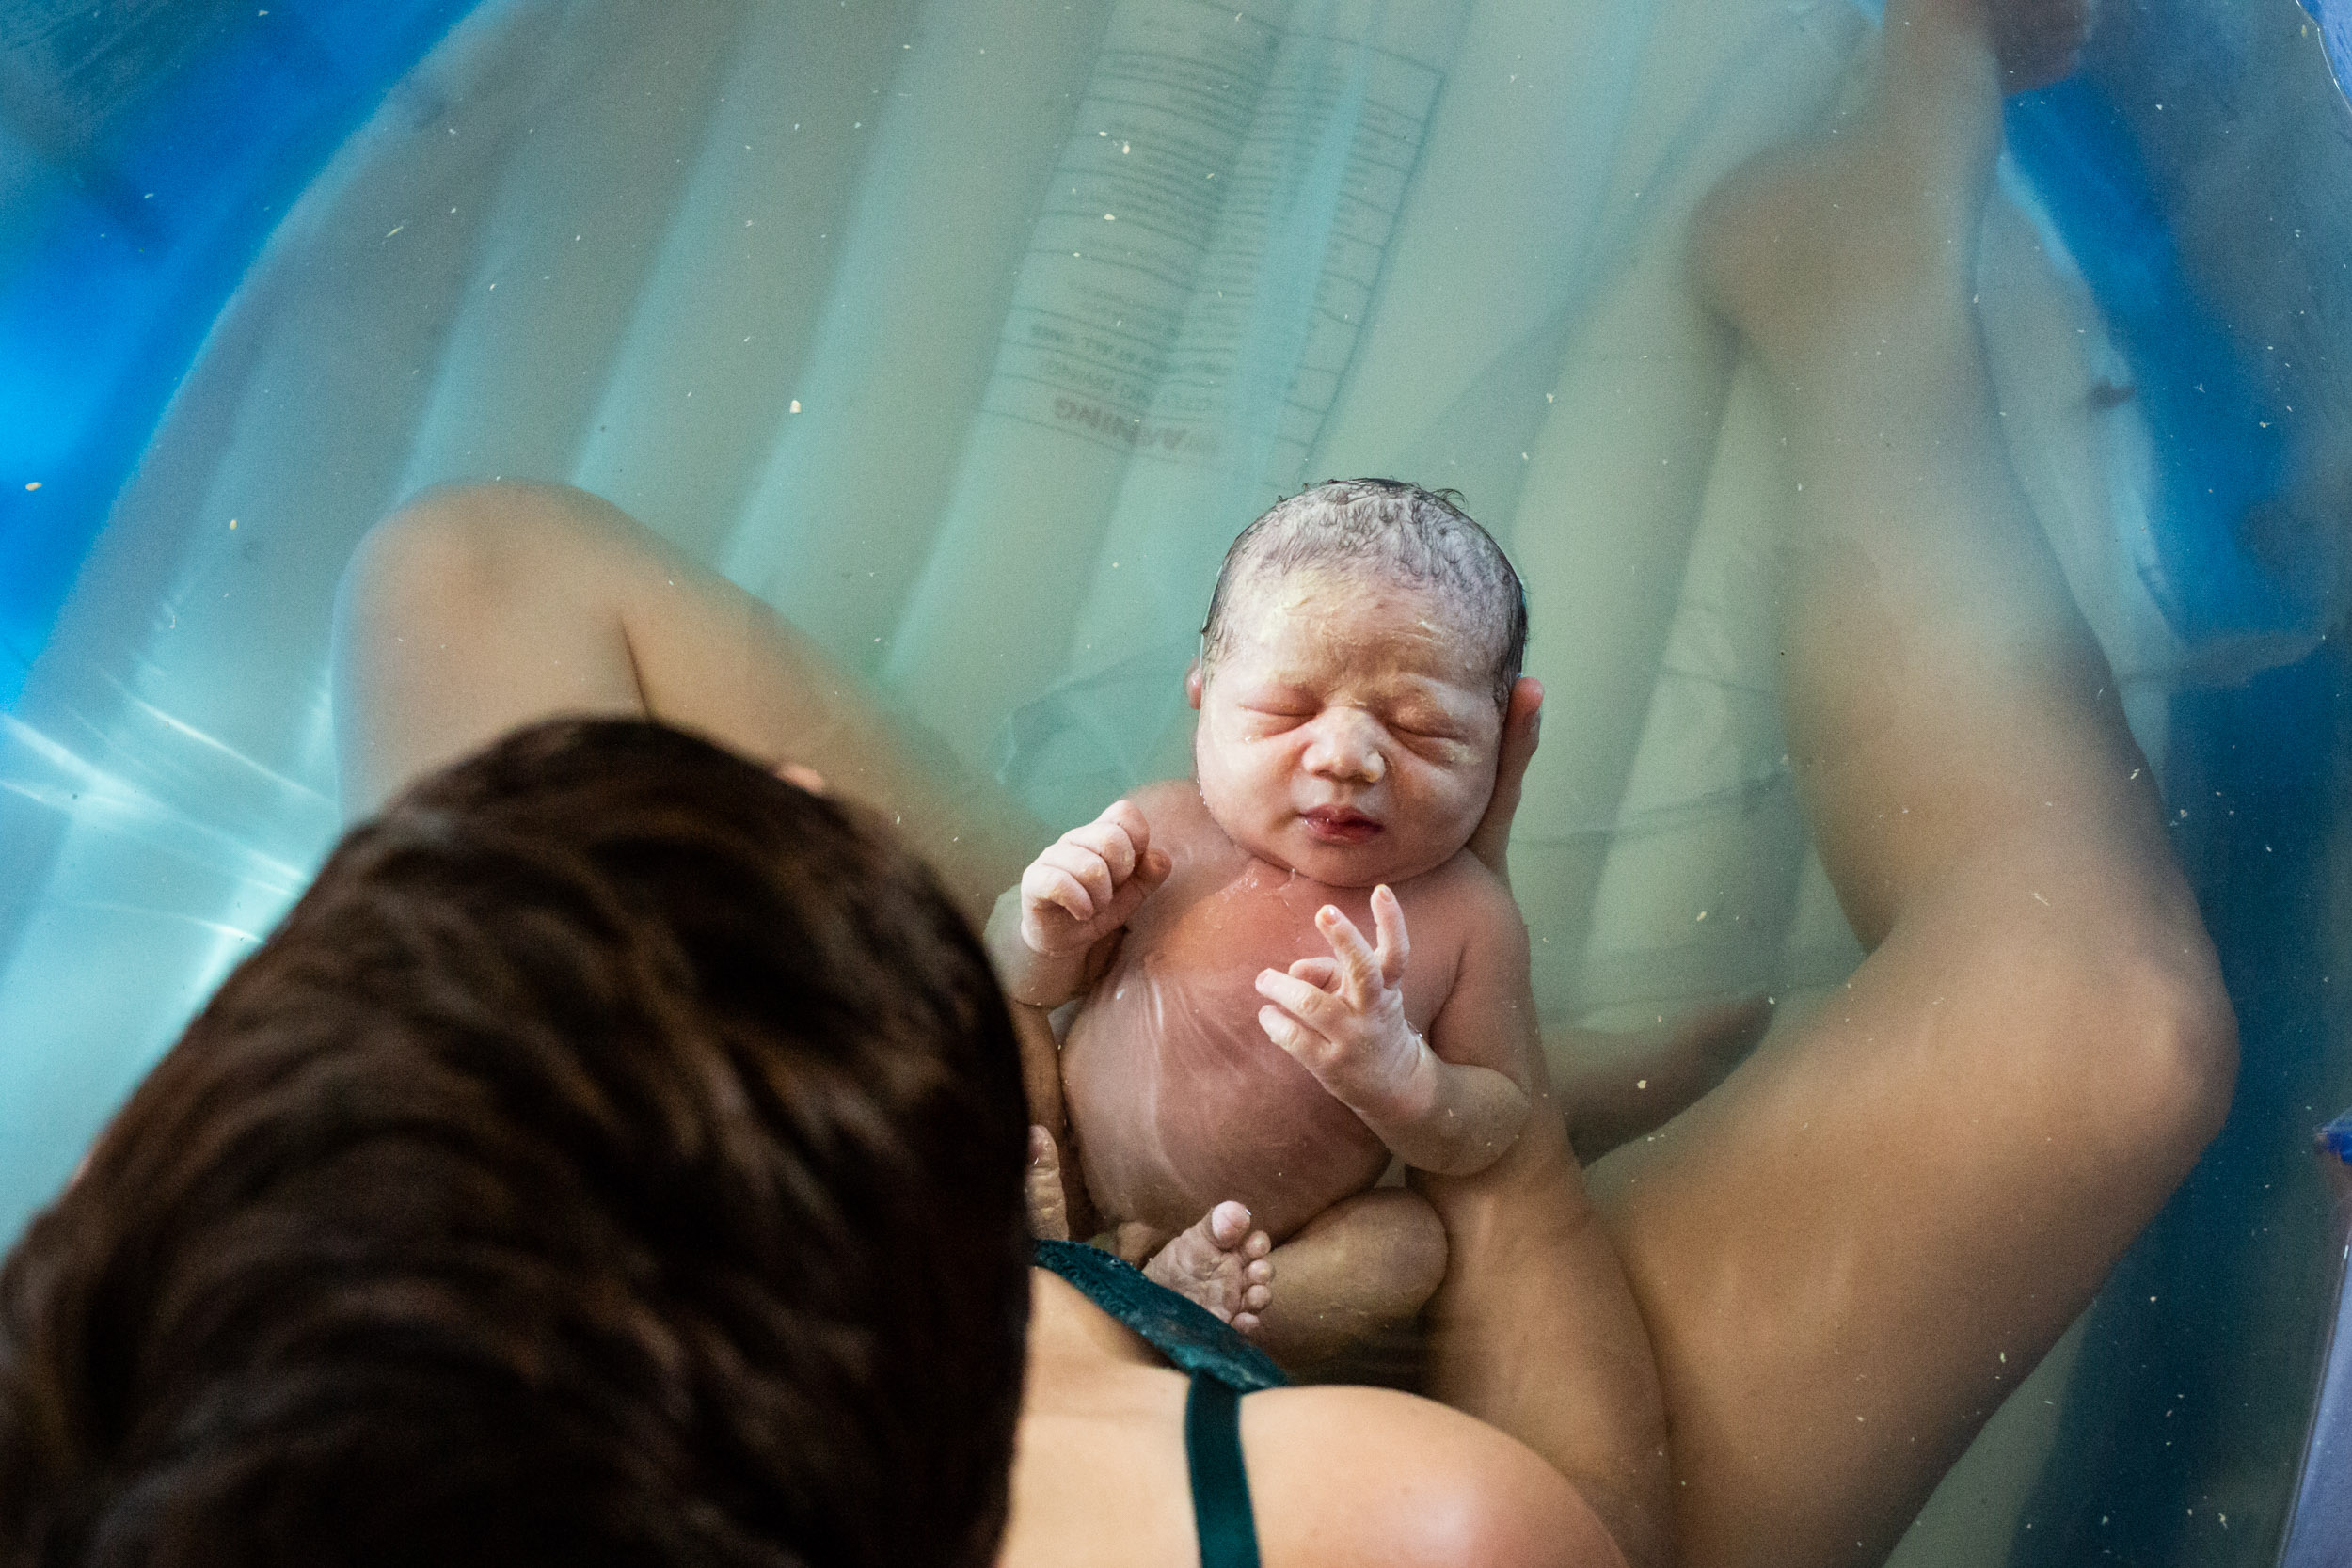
2149,1056
449,544
2180,1065
1412,1249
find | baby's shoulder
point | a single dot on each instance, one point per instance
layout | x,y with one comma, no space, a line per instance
1467,889
1171,799
1178,819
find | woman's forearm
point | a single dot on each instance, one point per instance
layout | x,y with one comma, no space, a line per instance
1535,1332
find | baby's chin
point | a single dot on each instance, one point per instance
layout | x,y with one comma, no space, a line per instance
1387,857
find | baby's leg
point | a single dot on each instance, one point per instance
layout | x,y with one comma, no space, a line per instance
1362,1267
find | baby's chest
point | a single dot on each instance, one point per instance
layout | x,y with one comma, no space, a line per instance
1217,936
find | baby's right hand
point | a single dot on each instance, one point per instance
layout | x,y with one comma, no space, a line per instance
1089,882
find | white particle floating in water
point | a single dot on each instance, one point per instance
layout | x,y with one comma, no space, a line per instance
796,402
35,485
1641,1083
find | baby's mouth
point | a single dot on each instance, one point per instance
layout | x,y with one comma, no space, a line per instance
1339,825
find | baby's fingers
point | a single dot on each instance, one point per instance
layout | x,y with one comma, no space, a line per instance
1387,919
1302,1043
1321,973
1119,836
1358,966
1150,872
1045,886
1310,1004
1084,866
1131,824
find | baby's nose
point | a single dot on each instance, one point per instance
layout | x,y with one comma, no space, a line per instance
1347,746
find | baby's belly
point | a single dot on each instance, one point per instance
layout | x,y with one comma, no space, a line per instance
1180,1103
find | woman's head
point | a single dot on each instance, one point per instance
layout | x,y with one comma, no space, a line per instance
615,1157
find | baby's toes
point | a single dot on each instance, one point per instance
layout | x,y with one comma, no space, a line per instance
1216,1261
1229,1223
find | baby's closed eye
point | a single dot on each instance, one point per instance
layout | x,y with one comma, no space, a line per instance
1275,717
1428,727
1433,734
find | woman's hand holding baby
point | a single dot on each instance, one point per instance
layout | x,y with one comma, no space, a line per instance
1079,892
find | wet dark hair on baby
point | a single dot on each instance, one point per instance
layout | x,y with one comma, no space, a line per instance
1388,530
615,1158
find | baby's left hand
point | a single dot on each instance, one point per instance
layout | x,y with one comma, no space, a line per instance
1343,1018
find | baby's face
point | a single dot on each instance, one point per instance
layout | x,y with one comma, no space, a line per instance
1349,730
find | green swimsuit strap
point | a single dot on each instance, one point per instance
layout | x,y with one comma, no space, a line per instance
1221,1515
1223,1367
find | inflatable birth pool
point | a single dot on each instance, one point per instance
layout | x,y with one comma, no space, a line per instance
1051,298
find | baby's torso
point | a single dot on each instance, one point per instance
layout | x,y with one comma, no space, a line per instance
1178,1100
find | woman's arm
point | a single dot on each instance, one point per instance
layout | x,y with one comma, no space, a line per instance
480,608
1535,1330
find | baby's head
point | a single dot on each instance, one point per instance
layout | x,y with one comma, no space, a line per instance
1354,669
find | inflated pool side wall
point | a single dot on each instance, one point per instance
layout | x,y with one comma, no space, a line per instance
146,154
2319,1532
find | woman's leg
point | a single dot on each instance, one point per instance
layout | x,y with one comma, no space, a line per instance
478,608
1851,1251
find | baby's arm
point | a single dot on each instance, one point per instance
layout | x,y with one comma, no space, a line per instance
1075,899
1451,1111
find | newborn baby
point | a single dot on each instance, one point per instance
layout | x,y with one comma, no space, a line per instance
1242,1041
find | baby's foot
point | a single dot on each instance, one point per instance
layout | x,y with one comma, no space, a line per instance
1049,1204
1220,1263
1851,232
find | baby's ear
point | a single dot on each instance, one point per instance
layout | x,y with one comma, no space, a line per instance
1193,680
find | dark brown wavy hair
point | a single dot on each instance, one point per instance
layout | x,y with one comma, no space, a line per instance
615,1158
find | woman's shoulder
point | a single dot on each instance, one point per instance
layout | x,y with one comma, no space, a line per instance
1344,1475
